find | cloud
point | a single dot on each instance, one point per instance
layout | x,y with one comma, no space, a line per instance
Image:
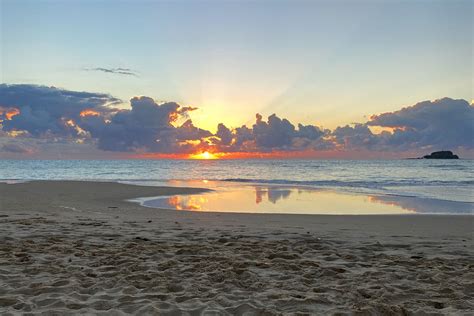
357,136
148,127
224,135
59,116
17,148
244,139
115,71
273,134
444,123
48,111
276,133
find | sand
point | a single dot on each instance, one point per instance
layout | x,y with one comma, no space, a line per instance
80,248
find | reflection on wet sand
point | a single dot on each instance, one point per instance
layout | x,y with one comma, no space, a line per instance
297,200
193,203
425,205
199,202
272,194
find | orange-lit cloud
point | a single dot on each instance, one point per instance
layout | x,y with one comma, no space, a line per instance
15,133
380,129
80,132
9,113
155,130
89,112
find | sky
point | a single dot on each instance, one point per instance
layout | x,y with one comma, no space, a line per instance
319,63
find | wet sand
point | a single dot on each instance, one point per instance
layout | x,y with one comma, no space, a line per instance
80,248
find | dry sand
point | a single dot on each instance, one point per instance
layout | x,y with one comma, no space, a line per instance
79,248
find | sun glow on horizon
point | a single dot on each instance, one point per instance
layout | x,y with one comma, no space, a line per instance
209,155
204,156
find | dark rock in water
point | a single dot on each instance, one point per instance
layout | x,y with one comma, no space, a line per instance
441,155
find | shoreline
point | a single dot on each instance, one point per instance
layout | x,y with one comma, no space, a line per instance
78,247
406,204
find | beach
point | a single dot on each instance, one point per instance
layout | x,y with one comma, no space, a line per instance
71,247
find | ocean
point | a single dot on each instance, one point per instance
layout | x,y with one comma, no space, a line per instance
435,181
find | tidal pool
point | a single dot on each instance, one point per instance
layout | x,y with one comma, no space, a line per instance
300,200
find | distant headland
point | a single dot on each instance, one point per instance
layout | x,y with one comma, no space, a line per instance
446,154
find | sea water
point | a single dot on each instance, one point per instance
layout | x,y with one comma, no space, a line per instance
276,186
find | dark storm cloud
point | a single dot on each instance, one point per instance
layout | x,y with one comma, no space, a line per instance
148,127
276,133
59,116
187,131
273,134
244,138
311,132
46,110
440,124
443,123
224,134
116,71
357,136
280,134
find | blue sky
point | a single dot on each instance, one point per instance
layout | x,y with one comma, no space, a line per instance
105,78
324,62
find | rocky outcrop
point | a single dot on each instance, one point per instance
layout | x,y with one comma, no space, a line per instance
441,155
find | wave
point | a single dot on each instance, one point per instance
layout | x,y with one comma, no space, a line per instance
447,166
313,183
357,184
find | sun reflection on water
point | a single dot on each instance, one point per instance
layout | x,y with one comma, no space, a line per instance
267,199
284,199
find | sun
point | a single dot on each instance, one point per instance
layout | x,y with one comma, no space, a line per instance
204,155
